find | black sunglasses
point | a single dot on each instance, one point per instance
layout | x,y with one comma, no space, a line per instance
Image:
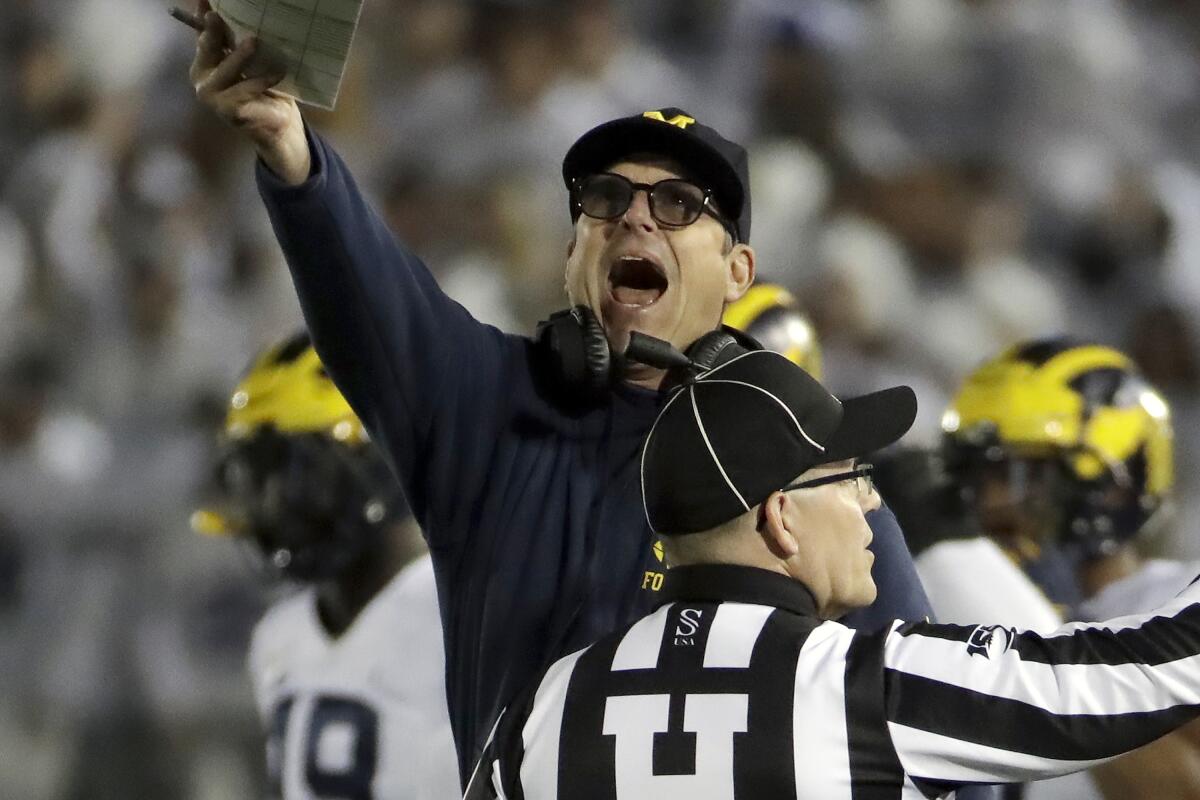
674,202
860,474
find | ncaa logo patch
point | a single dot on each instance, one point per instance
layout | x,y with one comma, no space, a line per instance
990,641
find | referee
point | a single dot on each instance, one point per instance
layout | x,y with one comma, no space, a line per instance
740,686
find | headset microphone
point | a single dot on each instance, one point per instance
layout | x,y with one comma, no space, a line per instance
656,353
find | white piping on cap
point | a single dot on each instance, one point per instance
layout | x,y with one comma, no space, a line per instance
646,446
782,405
713,453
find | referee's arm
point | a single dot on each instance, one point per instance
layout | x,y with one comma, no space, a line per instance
987,703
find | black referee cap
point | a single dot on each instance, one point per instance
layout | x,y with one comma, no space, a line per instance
725,442
717,163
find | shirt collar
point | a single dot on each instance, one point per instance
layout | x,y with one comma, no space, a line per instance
739,584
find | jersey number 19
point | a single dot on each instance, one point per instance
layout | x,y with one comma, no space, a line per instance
340,746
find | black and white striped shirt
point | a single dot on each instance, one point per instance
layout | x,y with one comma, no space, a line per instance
734,688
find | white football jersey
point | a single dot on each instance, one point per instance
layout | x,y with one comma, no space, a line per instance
971,580
362,716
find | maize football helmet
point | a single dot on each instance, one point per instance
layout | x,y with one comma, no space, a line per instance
1075,417
297,476
771,315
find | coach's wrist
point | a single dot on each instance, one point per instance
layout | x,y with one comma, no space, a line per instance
288,156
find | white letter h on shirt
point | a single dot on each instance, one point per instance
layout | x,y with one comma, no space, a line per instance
714,718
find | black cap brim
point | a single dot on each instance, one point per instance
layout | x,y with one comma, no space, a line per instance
871,422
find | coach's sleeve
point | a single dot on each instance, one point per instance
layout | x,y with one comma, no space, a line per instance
989,703
423,375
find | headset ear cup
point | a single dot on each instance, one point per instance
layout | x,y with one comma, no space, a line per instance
742,338
579,352
717,347
597,355
714,349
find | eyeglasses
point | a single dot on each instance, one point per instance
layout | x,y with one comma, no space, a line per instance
674,202
861,475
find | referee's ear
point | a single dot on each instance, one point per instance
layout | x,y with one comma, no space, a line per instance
774,529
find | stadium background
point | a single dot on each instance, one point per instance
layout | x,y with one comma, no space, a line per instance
934,178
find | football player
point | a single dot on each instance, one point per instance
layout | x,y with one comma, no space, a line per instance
963,571
1065,455
348,670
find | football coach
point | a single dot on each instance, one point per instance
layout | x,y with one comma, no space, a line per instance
740,686
519,456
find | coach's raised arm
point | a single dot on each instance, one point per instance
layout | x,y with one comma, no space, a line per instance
388,335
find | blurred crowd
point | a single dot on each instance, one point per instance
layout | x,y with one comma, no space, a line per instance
935,179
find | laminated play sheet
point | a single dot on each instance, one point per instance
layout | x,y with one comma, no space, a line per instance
309,38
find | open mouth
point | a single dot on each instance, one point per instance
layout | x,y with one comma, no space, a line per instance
636,281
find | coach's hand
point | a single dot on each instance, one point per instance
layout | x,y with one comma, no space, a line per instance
271,120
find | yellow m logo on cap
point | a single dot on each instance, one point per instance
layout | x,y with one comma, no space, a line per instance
680,121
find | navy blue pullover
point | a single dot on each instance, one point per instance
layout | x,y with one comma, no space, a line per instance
532,511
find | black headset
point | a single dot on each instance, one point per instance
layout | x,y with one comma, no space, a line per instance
586,368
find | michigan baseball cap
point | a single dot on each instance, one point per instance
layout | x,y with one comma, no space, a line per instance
725,441
715,162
